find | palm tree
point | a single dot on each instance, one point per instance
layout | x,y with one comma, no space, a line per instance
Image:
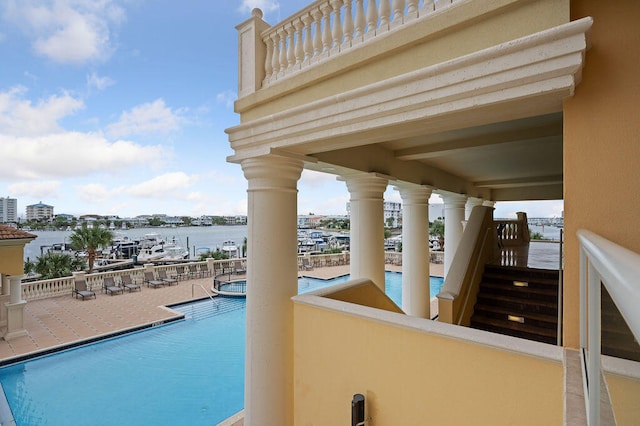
55,265
90,239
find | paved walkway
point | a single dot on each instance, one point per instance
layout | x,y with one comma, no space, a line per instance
64,320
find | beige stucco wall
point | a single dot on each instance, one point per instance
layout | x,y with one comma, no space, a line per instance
467,27
602,142
411,377
623,393
12,259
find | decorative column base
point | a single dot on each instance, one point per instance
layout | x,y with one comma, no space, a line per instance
4,300
15,320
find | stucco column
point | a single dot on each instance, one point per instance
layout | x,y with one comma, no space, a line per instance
416,291
453,216
15,310
272,280
488,203
367,226
470,204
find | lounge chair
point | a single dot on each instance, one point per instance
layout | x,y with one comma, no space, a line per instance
109,285
193,271
307,265
128,283
151,281
162,276
204,270
80,289
182,274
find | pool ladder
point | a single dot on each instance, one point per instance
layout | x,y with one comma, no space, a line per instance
215,302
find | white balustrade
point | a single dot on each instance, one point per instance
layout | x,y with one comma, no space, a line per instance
326,28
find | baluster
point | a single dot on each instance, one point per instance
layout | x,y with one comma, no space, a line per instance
348,23
268,67
372,17
326,28
398,11
275,63
360,21
427,7
412,8
308,44
385,12
317,36
299,44
282,43
291,55
336,31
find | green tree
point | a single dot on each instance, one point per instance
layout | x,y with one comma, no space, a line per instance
90,240
29,266
56,265
437,229
217,255
536,235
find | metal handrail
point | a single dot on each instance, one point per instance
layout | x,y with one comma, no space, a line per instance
617,268
206,292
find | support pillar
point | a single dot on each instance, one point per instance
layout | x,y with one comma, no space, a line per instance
15,310
470,204
416,291
367,226
272,280
453,216
4,299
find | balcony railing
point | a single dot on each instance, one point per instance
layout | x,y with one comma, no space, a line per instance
322,30
610,270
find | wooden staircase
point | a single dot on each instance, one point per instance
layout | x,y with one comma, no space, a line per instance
519,302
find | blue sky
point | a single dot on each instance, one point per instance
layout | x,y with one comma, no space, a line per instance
119,107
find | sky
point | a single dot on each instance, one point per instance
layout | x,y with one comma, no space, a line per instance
118,107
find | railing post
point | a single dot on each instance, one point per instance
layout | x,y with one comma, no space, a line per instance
252,54
593,355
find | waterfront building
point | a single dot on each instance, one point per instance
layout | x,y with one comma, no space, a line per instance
391,210
477,101
8,210
39,211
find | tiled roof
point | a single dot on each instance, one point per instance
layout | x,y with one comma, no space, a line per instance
9,233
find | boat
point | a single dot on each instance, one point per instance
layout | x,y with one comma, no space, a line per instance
230,249
154,248
174,252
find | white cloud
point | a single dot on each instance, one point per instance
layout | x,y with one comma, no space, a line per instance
227,98
94,81
94,193
152,117
176,183
67,31
265,5
19,117
71,154
36,189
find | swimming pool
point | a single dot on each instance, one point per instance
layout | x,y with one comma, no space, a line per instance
187,372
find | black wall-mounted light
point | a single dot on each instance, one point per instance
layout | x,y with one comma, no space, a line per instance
357,410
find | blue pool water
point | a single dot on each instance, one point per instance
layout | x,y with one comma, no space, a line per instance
189,372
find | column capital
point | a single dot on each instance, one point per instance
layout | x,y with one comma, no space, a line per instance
366,185
452,200
272,172
414,194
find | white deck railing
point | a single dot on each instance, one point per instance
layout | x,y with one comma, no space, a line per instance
326,28
617,268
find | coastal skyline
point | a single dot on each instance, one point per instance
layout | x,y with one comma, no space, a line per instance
119,107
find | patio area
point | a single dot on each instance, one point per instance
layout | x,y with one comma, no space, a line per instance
60,321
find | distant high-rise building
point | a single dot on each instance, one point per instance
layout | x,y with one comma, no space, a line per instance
39,211
8,210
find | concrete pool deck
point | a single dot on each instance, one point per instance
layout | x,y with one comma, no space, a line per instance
61,321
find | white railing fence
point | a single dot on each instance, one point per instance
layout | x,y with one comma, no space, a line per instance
604,263
327,27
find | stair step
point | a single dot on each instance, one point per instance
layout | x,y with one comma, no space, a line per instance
544,307
516,291
509,278
500,312
516,329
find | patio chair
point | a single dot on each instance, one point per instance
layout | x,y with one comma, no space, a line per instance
162,276
109,285
182,274
307,264
80,290
193,271
129,283
151,280
204,270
